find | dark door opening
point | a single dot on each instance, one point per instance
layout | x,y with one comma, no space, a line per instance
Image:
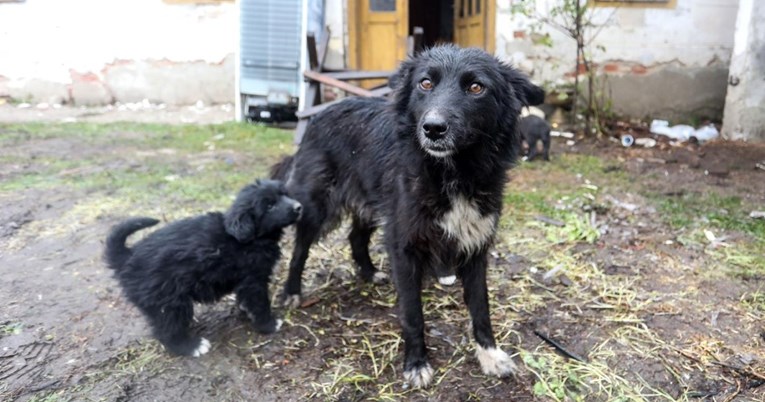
436,17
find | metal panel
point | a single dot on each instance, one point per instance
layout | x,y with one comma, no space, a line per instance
270,46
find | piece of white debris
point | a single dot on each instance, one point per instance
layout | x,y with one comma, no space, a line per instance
757,214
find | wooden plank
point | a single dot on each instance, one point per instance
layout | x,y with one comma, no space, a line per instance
359,75
313,56
312,111
324,79
417,35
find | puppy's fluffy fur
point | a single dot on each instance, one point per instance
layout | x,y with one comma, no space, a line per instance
201,259
535,129
430,167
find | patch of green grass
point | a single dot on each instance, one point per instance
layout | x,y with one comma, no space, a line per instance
196,138
10,328
743,260
710,209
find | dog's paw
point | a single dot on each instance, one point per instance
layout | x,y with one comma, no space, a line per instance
447,280
495,361
379,278
268,327
419,377
291,301
204,347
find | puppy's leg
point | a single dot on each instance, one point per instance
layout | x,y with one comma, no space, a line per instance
546,144
532,148
170,324
492,359
252,296
361,232
306,233
408,280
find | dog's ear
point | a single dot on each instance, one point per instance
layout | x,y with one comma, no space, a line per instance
238,220
528,93
400,79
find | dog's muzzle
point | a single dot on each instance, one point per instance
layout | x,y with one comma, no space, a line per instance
434,135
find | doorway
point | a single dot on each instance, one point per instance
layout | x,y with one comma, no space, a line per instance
378,29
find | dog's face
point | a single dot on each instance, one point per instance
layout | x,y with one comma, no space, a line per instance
453,98
261,209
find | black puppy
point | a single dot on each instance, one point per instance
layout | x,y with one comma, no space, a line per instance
535,129
430,166
202,259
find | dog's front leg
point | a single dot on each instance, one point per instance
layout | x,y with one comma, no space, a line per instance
493,360
408,278
252,296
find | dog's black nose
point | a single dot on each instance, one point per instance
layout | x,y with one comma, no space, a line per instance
298,208
434,127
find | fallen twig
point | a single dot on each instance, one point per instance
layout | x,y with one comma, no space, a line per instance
560,347
740,370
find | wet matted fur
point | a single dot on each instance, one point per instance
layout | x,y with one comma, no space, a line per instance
202,259
430,167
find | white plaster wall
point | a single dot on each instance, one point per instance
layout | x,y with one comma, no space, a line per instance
46,39
695,33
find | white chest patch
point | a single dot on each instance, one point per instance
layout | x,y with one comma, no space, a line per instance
465,224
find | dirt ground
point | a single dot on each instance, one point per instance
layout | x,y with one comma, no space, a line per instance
643,263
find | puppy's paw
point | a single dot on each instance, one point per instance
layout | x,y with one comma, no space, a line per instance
268,327
447,280
420,376
202,348
380,277
495,361
291,301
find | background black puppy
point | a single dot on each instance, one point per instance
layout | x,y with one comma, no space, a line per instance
535,129
201,259
430,167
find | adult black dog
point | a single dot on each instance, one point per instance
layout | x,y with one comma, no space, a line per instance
202,259
430,167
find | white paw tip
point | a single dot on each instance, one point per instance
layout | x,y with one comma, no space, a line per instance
379,277
204,347
419,377
279,323
447,280
292,301
495,361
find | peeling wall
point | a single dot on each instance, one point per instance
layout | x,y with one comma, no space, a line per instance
668,63
99,51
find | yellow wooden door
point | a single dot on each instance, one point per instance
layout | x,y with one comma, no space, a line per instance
474,23
377,33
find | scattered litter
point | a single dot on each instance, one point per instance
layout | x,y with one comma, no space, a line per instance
627,140
564,134
172,177
760,165
549,221
621,204
757,214
551,273
570,143
683,132
69,120
200,104
43,105
24,106
646,142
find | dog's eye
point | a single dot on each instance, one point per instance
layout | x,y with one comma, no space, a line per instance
271,206
426,84
475,88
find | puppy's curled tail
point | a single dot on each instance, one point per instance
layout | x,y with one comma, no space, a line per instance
117,253
281,170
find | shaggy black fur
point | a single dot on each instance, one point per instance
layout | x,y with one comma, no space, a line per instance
436,156
535,129
202,259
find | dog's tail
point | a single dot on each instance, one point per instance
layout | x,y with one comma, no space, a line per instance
116,253
281,170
